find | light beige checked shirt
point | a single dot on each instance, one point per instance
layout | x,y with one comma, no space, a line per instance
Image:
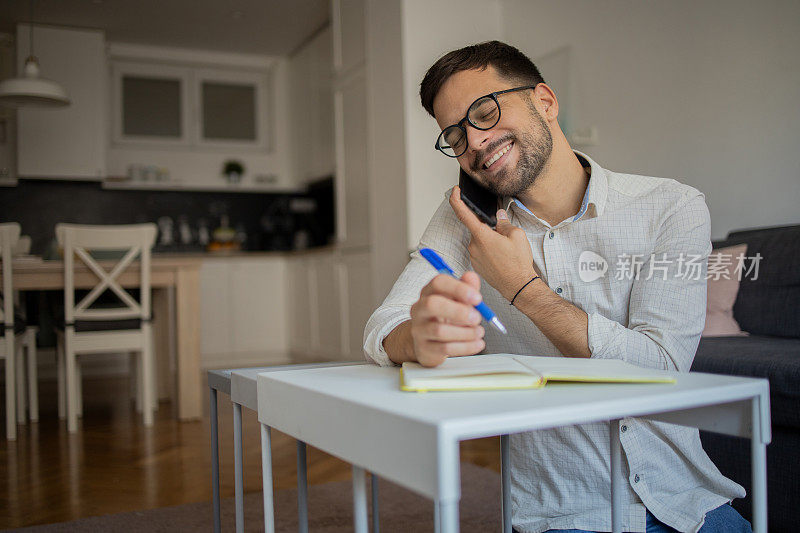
647,308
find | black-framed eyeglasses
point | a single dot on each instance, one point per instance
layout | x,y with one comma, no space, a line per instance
483,114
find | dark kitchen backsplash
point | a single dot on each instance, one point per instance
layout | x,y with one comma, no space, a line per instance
270,221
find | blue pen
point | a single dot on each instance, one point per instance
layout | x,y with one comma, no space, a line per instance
443,268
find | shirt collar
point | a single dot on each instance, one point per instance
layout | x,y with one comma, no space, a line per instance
595,195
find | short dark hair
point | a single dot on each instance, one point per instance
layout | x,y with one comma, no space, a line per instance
509,62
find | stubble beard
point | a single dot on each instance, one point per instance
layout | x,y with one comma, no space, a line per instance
534,148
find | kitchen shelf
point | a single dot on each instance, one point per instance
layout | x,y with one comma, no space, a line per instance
180,186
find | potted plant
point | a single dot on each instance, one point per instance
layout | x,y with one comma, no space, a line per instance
233,171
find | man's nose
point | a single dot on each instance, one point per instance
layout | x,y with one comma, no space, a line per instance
477,139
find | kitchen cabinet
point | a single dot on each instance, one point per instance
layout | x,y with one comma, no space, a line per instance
357,301
151,103
326,276
183,106
349,34
302,327
243,315
352,143
311,100
330,304
67,142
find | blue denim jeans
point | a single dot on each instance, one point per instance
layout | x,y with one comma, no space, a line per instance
723,519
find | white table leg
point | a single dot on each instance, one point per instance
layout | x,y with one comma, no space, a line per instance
212,393
505,481
448,515
616,478
359,500
437,519
376,522
237,466
266,479
759,470
302,488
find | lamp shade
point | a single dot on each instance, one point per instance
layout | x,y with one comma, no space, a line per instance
31,90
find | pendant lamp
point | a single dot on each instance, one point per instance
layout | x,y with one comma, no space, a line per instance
30,89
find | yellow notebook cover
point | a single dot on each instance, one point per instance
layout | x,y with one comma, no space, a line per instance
506,371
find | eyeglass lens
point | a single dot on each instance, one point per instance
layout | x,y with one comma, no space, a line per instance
483,114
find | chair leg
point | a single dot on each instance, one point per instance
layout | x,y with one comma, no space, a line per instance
147,373
33,378
62,382
72,385
132,375
138,377
20,384
11,410
78,386
153,378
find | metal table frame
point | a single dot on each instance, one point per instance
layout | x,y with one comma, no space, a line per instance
240,385
336,402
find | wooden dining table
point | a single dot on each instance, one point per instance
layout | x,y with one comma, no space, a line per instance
175,280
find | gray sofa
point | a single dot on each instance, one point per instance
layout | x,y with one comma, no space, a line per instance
768,308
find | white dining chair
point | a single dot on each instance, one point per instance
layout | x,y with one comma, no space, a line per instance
90,328
15,336
27,404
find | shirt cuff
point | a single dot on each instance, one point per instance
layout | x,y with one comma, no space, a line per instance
602,333
373,342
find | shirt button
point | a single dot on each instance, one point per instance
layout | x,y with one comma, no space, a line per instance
624,429
636,478
558,290
552,234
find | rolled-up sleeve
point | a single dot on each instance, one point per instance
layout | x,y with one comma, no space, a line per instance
668,298
449,238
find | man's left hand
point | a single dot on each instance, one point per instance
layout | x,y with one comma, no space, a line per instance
502,256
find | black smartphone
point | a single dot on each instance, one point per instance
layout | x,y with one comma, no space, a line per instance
481,201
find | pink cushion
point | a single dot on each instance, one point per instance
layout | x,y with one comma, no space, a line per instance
722,291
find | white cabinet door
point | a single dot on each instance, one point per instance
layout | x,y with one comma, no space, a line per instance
358,301
310,77
258,318
349,34
215,310
352,143
243,316
300,315
67,142
327,285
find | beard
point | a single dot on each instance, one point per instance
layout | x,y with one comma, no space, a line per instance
534,146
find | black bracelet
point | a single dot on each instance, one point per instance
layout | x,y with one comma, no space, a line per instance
520,290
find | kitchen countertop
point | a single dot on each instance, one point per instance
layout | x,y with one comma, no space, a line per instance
244,253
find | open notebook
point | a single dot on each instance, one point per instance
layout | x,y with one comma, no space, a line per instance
506,371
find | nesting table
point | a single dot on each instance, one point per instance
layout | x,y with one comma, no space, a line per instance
240,385
359,414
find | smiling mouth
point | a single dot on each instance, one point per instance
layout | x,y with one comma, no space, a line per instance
500,153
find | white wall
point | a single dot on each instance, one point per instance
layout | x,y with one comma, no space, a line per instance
431,29
704,92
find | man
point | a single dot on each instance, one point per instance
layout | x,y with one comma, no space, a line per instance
499,120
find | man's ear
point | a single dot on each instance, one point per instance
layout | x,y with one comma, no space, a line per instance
548,100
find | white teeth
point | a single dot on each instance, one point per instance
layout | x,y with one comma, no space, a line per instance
497,156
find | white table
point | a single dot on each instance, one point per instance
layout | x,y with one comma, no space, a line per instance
240,385
359,414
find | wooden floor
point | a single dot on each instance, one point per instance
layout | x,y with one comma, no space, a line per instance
113,464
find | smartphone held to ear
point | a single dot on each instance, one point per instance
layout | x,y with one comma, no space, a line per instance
479,199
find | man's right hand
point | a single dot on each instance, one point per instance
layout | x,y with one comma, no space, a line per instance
444,323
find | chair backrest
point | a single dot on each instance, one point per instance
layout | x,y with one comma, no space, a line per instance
9,235
130,242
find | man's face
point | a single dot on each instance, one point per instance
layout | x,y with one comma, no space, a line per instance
522,136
